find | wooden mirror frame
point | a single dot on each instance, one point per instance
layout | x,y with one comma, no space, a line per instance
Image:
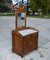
20,10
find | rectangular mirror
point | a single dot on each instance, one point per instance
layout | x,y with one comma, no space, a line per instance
20,19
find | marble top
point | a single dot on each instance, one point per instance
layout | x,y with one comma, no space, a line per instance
27,32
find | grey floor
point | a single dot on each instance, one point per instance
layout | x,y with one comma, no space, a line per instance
43,25
7,24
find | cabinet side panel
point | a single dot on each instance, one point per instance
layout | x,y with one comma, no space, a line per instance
17,44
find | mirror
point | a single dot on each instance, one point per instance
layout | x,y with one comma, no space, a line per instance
18,2
21,19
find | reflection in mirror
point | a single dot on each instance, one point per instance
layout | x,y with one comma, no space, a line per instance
21,19
18,2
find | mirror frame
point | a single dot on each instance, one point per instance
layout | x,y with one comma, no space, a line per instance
17,11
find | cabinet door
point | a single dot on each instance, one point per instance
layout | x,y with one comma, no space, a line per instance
28,44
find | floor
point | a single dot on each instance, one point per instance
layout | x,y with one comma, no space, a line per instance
7,24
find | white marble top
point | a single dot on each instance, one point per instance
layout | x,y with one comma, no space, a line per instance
27,32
